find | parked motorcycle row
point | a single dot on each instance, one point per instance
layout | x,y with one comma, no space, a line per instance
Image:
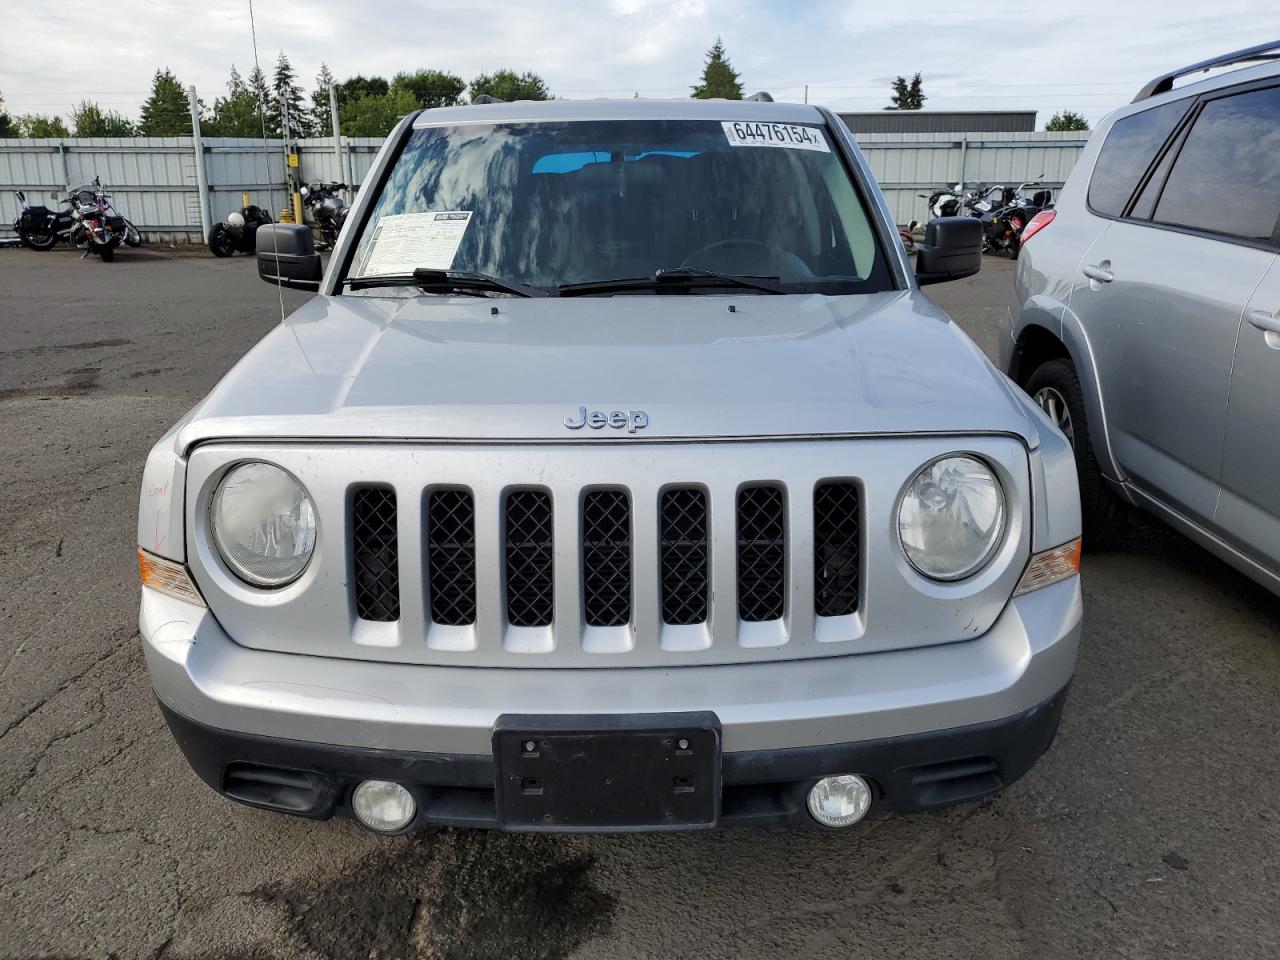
85,218
238,232
1004,211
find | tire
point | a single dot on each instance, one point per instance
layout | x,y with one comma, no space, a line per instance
107,252
132,237
221,242
38,241
1103,513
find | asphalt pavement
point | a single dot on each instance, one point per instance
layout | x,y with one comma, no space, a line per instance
1150,829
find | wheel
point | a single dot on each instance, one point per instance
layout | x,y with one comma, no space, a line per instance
1055,387
107,252
38,240
131,235
222,243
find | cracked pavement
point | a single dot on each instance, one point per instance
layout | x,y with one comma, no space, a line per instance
1149,830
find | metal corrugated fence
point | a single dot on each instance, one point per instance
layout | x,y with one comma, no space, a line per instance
153,179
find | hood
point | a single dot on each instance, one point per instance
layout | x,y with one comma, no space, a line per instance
712,366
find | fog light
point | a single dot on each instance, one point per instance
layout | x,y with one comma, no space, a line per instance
383,806
840,801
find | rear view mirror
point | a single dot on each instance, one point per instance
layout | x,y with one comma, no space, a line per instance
287,255
952,250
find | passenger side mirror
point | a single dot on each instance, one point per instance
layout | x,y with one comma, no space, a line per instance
287,255
952,250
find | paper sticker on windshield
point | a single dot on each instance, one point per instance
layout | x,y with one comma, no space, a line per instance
403,242
792,136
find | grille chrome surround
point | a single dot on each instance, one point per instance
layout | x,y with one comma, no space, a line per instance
530,581
376,554
451,557
896,609
606,558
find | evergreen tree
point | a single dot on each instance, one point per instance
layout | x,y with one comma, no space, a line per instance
7,126
1067,120
35,125
321,115
907,94
286,92
167,112
90,120
508,85
435,88
236,114
719,79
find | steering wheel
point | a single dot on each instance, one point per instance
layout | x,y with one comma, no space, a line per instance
745,257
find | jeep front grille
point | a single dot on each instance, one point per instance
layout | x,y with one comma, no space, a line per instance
835,549
606,558
377,559
762,552
530,559
451,556
684,556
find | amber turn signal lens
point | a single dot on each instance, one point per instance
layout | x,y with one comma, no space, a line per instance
1050,566
167,577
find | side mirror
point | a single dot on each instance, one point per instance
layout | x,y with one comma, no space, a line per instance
952,250
287,256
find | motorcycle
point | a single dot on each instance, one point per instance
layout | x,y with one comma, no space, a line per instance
328,210
38,227
943,203
1002,225
238,233
98,227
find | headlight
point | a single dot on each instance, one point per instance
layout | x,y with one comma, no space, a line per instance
951,518
264,524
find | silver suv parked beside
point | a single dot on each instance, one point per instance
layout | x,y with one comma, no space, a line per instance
1146,314
618,477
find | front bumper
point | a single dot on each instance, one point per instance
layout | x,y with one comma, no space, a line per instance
930,725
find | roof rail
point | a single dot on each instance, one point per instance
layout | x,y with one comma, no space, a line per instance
760,96
1164,82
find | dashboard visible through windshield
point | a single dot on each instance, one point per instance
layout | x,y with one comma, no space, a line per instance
553,204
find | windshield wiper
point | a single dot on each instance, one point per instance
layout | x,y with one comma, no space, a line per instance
672,278
441,280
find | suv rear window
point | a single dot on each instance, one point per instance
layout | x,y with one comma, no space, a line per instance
1129,149
1226,178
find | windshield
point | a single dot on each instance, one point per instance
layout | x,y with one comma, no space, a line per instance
547,204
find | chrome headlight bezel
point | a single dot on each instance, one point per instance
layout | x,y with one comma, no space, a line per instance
995,539
218,537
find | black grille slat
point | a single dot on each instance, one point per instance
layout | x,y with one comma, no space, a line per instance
530,577
451,556
835,549
684,556
376,554
762,551
606,558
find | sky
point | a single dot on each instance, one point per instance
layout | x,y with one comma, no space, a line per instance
1090,56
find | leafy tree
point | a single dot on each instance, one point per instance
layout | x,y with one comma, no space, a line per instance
1067,120
719,79
321,115
35,125
7,126
907,95
167,112
435,88
90,120
286,92
236,114
508,85
373,115
353,88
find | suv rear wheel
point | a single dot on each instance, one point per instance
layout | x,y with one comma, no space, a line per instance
1056,390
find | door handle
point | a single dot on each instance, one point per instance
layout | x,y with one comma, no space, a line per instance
1264,320
1100,272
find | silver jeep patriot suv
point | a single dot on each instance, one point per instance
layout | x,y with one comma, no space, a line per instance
619,477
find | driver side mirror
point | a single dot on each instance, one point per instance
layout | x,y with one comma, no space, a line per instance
287,256
952,250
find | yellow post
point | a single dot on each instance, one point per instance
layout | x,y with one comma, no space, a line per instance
244,199
297,207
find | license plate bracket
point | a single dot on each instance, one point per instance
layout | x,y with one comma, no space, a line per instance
607,773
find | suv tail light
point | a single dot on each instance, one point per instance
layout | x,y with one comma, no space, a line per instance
1038,223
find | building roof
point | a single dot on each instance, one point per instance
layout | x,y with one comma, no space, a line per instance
941,121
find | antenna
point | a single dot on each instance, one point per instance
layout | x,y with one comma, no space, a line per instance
266,153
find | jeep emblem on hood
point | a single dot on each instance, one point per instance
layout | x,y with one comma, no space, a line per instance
632,420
